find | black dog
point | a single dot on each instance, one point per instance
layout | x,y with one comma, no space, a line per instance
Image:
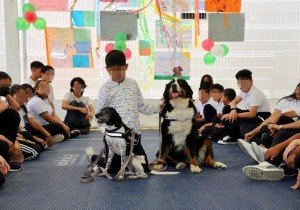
179,131
117,142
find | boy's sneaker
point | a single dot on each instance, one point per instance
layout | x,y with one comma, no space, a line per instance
227,140
258,151
74,134
264,171
58,138
89,151
288,172
15,167
246,147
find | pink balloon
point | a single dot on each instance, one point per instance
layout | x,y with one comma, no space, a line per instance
109,47
207,44
127,54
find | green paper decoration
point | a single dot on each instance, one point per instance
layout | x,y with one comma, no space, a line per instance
209,59
40,23
21,24
121,37
120,45
28,7
226,49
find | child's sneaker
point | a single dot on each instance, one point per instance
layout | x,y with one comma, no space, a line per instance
264,171
227,140
258,151
15,167
246,147
89,151
58,138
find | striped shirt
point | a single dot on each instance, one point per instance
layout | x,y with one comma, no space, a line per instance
127,99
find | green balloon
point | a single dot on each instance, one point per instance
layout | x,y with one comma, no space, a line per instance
226,49
209,59
28,7
21,24
120,45
40,23
121,37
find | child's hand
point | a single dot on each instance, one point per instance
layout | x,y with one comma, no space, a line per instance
219,125
297,185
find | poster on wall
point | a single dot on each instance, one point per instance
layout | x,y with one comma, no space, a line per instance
168,65
234,32
112,23
223,6
69,48
178,35
50,5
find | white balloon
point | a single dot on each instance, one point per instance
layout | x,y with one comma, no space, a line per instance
217,51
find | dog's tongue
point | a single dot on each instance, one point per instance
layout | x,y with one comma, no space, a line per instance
175,95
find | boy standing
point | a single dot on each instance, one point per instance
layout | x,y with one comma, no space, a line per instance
47,74
36,67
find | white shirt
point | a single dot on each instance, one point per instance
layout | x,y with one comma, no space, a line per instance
200,106
255,97
30,82
24,119
69,96
285,105
51,94
37,106
127,99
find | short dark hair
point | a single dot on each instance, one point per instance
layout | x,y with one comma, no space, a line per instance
205,88
26,86
46,68
36,65
210,80
77,79
217,86
14,89
229,93
4,75
244,74
115,58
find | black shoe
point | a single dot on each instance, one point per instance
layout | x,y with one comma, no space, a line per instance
288,172
15,167
74,134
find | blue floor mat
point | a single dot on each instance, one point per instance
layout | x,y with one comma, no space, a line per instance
52,182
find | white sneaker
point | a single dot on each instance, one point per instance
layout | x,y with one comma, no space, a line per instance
258,151
264,171
227,140
246,147
89,151
58,138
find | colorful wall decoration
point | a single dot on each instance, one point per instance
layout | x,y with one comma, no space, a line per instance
83,18
50,5
223,6
69,48
165,62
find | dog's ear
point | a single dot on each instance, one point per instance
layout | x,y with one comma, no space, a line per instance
97,115
167,90
115,115
189,91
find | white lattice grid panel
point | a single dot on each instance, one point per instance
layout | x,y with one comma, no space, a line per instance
2,39
271,50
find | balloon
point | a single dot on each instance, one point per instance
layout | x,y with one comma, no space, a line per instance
21,24
109,47
217,51
226,49
40,23
127,54
120,45
28,7
30,17
209,59
121,37
207,44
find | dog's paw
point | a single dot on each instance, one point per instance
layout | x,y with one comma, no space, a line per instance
120,178
220,165
180,165
195,169
158,167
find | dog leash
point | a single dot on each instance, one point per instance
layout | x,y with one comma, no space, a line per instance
94,170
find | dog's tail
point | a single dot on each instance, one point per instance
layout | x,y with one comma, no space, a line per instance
164,172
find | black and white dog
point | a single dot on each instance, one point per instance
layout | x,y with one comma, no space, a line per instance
179,132
117,142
